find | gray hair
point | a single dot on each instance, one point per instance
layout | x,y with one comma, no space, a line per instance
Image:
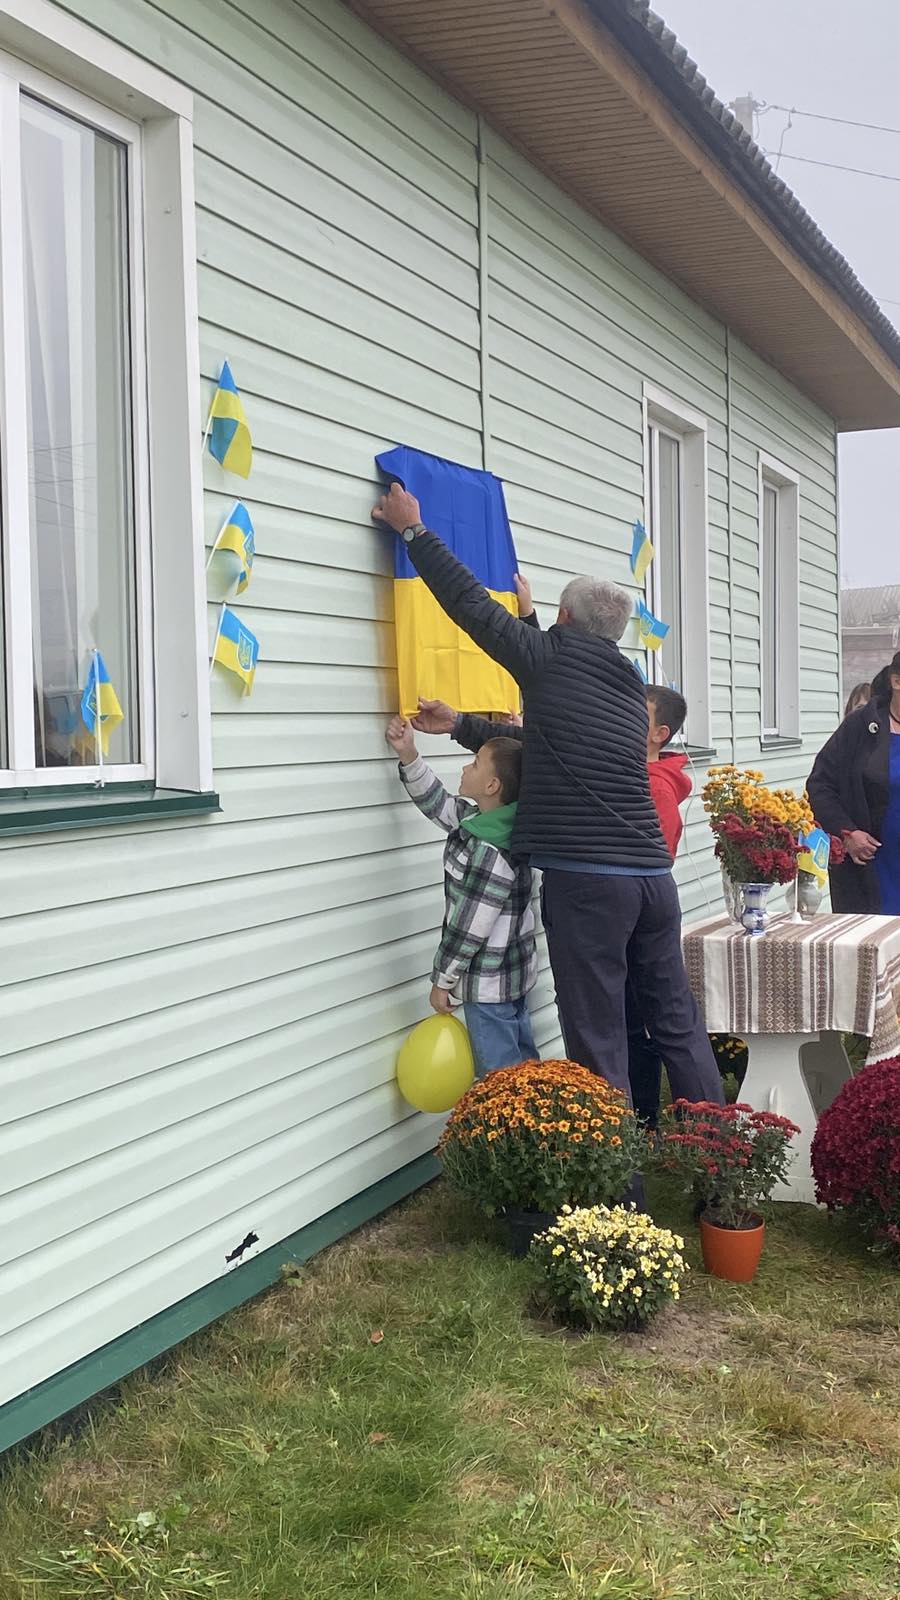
597,605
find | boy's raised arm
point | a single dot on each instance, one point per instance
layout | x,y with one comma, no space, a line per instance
422,785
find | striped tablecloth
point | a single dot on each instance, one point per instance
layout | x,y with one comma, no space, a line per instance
833,974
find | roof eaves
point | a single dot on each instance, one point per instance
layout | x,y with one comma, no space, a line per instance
655,47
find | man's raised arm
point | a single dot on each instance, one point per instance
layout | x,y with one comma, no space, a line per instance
518,646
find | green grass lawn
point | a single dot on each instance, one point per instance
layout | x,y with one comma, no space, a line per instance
400,1422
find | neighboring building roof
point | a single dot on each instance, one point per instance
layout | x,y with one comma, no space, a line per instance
878,607
602,97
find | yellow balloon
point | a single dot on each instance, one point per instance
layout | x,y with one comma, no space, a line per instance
435,1066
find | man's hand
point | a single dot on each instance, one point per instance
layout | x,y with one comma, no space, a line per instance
523,595
399,737
435,716
861,847
397,508
440,1000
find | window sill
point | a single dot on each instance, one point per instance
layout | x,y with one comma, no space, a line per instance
87,806
775,742
702,754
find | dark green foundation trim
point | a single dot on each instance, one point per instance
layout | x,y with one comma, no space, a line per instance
88,806
92,1374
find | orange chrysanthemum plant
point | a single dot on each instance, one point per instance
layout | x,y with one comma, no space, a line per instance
540,1136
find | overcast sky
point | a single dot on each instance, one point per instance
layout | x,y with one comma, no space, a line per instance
838,58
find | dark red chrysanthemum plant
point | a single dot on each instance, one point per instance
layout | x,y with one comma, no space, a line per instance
856,1153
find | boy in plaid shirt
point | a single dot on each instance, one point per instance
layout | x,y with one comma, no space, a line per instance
486,957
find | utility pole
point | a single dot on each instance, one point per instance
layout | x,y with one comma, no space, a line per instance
745,108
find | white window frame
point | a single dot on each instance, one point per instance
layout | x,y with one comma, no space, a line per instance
663,413
774,474
74,68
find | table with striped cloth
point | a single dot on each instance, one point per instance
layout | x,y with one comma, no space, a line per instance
791,993
833,974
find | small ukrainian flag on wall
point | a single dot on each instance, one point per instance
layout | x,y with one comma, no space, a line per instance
467,509
229,434
651,631
236,648
237,536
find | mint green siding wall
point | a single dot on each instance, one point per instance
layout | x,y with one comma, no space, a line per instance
200,1020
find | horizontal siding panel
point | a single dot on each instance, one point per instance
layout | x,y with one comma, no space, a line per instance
593,457
69,1330
231,305
561,321
36,946
36,1013
514,353
49,876
319,179
273,271
287,687
34,1080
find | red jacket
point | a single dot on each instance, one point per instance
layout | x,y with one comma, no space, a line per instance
669,785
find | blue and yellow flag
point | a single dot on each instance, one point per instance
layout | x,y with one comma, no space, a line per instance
237,535
815,853
236,647
642,551
435,659
99,702
229,435
651,630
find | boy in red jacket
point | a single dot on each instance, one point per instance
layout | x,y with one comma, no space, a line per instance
670,785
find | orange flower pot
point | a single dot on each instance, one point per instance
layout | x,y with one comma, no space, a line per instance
732,1253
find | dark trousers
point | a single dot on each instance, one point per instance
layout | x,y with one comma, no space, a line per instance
644,1060
602,929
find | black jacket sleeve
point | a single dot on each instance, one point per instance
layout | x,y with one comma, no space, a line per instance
472,732
827,788
518,646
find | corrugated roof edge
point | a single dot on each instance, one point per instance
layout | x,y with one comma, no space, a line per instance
655,47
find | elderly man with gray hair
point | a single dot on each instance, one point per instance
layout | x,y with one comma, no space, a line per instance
585,818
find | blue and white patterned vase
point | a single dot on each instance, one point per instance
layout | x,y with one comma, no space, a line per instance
754,907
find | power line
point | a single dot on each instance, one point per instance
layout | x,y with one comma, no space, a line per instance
834,166
845,122
784,132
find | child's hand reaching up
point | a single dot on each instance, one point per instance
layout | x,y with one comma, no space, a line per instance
400,738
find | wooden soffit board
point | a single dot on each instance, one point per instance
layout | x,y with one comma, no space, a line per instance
550,78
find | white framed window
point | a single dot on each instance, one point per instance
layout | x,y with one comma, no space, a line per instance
675,515
101,539
779,582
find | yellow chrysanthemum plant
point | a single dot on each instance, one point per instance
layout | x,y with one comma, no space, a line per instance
538,1136
609,1268
744,793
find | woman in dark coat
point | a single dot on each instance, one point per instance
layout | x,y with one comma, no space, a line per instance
854,791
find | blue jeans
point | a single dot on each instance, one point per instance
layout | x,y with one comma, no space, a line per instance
500,1034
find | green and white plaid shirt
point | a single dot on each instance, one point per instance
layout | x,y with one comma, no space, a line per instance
487,952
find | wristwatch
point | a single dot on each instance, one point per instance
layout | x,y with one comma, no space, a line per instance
413,532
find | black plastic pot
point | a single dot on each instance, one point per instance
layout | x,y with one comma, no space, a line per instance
521,1227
